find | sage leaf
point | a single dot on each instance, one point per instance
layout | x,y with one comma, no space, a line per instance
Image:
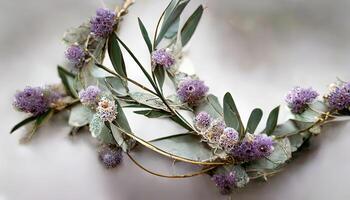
116,56
190,26
271,122
254,120
23,122
80,116
231,115
145,35
187,146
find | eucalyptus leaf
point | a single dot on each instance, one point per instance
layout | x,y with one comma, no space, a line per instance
271,122
68,80
190,26
116,56
145,35
187,146
80,116
231,115
254,120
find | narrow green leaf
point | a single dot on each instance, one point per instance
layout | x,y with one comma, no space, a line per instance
153,113
271,122
116,86
121,120
145,35
116,56
177,120
67,79
159,72
254,120
231,114
170,20
190,26
22,123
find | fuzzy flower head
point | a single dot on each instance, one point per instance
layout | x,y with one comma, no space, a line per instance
75,55
299,98
110,156
191,91
162,58
34,100
225,182
216,129
228,139
102,24
90,96
202,121
253,147
339,97
106,109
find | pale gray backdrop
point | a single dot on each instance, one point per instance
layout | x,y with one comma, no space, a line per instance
257,50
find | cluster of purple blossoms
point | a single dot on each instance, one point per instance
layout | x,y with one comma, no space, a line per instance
225,182
162,58
253,147
106,109
339,98
90,96
103,23
213,133
299,98
110,155
191,91
34,100
75,55
203,121
228,139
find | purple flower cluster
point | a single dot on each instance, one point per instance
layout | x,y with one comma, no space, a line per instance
162,58
339,98
191,91
253,147
34,100
103,23
106,109
213,133
75,55
110,156
90,96
203,121
228,139
225,182
299,98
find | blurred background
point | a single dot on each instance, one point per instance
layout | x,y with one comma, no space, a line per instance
257,50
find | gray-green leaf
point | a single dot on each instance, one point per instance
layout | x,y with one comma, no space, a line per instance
254,120
80,116
271,122
190,26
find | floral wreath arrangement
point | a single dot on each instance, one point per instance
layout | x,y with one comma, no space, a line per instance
217,141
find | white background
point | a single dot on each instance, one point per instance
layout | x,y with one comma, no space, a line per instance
257,50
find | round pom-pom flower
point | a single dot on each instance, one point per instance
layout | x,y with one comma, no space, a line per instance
212,135
191,91
103,23
75,55
90,96
225,182
162,58
202,121
228,139
106,109
253,147
339,97
298,99
34,100
110,155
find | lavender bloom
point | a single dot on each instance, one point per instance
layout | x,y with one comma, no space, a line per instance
339,98
299,98
191,91
90,96
33,100
202,121
106,109
162,58
225,182
102,24
228,139
110,156
75,55
214,132
253,147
